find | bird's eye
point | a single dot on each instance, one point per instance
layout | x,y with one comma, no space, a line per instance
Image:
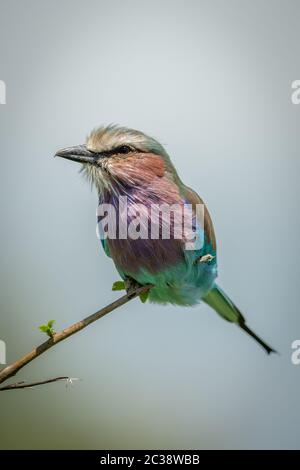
124,149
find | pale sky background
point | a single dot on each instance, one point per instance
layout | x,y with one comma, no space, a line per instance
212,81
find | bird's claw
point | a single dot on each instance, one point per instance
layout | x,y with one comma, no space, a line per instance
131,285
204,259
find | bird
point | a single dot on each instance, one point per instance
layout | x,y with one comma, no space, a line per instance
124,163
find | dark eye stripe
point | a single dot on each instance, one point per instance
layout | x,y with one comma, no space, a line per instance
121,150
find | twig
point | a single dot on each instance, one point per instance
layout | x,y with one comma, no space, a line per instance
12,369
24,384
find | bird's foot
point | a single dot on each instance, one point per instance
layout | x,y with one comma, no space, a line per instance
204,259
131,285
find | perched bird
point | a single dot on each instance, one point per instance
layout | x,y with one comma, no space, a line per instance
121,162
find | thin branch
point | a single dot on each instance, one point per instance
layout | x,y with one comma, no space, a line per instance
12,369
24,384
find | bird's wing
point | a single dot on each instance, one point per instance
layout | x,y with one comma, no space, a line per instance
193,198
105,247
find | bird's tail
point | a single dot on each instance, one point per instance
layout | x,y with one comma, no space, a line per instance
221,303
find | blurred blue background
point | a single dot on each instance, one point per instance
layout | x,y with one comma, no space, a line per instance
212,81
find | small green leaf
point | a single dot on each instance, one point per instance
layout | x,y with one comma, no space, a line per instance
48,328
144,296
44,328
118,285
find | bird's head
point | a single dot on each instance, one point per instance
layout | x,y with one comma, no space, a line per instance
115,156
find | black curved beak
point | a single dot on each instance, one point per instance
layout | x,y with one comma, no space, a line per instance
79,154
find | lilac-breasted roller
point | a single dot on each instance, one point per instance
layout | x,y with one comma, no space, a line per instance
122,162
